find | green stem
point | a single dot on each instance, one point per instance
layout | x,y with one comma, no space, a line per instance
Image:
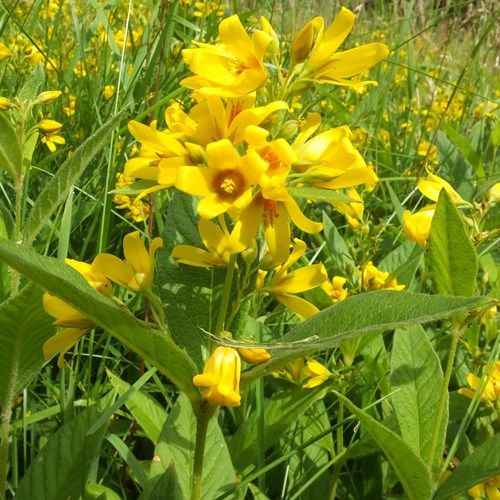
4,445
226,293
203,413
456,331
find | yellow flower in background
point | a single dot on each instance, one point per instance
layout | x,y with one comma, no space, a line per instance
491,488
417,226
47,97
225,184
285,285
76,324
137,209
70,108
5,104
428,151
329,160
221,375
374,279
49,129
353,210
232,68
432,185
108,92
493,194
318,51
492,390
4,51
305,372
216,241
335,288
137,270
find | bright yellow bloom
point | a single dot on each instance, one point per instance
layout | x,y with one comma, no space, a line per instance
5,104
335,288
321,60
329,160
109,92
254,355
271,205
374,279
493,194
137,209
232,68
221,375
417,226
225,184
48,97
4,51
70,109
431,187
76,324
284,285
216,241
492,391
353,210
306,372
49,129
137,270
491,488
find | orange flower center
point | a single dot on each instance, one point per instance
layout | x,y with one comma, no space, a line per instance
229,184
270,212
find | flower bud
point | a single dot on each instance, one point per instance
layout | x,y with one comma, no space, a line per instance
196,153
49,126
254,355
4,51
302,43
289,129
5,104
47,97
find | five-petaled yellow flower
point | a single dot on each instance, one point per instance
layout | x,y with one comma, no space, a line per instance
306,372
232,68
221,376
492,391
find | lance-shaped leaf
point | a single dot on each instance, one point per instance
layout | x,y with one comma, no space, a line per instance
359,315
61,280
414,474
10,150
453,257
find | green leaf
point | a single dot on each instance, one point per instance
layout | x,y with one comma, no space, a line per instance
495,135
402,263
478,467
468,152
62,467
25,326
11,158
337,246
176,448
148,413
56,190
412,471
191,295
280,413
95,491
359,315
453,257
317,194
61,280
417,379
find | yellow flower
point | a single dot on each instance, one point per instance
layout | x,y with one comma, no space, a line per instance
48,97
431,187
49,129
76,324
216,241
306,372
137,270
417,226
232,68
5,104
353,210
492,390
374,279
108,92
329,160
491,487
254,355
225,184
323,63
4,51
137,210
222,377
335,288
271,205
493,194
70,109
284,285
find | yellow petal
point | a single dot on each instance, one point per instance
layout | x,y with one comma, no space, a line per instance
300,220
114,268
334,36
62,342
302,279
299,306
192,256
